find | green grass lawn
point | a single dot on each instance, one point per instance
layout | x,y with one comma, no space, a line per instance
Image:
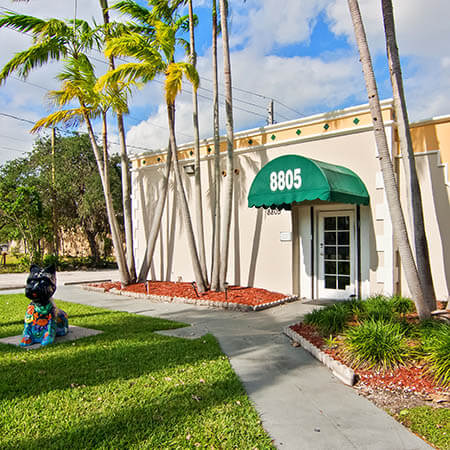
125,388
431,423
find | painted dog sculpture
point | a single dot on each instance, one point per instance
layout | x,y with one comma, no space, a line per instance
43,320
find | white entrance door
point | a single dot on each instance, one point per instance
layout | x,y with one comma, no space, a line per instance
336,255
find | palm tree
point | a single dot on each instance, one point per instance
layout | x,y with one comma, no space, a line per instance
125,168
392,194
78,83
409,166
53,40
155,51
229,127
215,272
197,179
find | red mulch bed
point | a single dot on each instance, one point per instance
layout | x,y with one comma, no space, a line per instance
235,294
414,380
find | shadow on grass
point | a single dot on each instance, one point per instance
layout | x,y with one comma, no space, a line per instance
128,348
157,420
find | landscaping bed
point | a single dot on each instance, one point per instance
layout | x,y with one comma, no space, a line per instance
401,365
235,297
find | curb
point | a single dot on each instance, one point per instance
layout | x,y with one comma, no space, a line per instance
194,301
339,370
10,288
69,283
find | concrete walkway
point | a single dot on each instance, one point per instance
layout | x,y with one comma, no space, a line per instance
301,404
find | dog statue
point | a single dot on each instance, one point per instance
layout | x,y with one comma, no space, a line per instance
43,320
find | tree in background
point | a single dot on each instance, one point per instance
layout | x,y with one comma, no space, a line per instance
28,192
78,190
23,213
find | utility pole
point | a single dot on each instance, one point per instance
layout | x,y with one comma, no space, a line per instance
270,114
55,228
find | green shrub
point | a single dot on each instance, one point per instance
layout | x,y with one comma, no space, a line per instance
402,305
50,259
378,308
24,263
437,352
376,343
355,306
330,320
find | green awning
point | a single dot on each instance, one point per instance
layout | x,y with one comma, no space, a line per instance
293,178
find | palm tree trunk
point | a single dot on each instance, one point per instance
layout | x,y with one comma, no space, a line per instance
126,198
215,280
156,223
197,179
408,160
125,172
229,126
392,194
114,227
183,201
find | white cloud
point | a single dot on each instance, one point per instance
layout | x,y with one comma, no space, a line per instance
266,25
260,30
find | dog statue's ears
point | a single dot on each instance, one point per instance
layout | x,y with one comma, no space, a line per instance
34,268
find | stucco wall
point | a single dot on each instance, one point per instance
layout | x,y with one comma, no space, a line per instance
257,255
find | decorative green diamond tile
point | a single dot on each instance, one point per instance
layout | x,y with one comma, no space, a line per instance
191,153
326,126
273,137
356,121
158,159
209,150
298,132
144,162
250,141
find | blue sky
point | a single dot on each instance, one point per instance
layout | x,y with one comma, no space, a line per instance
301,55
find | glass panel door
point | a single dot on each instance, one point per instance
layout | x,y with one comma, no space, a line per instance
336,255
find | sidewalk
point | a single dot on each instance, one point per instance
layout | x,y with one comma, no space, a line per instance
301,404
18,280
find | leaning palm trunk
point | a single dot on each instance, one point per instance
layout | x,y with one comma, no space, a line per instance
156,223
215,273
102,165
197,179
183,201
125,172
392,194
228,200
408,160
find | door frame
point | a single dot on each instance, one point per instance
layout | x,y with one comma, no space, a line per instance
332,210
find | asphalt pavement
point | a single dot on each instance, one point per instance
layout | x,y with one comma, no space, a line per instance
301,404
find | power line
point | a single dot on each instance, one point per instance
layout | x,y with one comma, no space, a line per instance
130,116
11,116
65,131
256,94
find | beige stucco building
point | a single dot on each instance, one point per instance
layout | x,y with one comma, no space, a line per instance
312,248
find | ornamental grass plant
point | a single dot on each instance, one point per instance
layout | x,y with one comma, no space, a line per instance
378,308
376,343
331,319
437,353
